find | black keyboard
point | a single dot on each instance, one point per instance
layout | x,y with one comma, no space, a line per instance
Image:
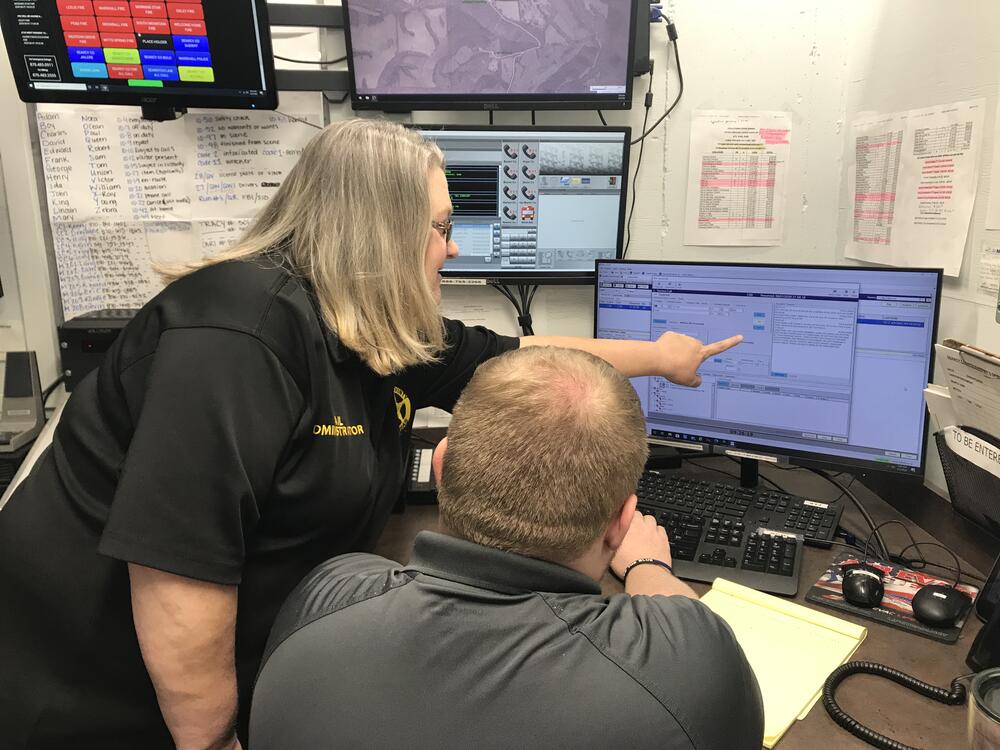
753,537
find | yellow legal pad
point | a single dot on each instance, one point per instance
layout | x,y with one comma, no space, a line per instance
791,648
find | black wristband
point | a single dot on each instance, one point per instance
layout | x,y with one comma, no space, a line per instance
645,561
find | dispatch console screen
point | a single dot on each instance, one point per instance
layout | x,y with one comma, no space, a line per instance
538,201
833,361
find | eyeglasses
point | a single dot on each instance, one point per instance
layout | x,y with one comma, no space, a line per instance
445,228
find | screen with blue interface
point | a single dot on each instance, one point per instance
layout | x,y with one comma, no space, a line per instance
832,366
538,204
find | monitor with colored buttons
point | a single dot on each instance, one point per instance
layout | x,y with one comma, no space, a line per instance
533,205
177,53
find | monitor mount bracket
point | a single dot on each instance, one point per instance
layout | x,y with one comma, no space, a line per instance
162,112
333,83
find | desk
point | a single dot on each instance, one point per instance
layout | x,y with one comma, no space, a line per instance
878,703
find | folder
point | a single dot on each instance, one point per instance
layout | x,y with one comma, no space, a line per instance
938,400
792,649
973,376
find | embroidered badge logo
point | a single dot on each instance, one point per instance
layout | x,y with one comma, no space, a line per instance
403,408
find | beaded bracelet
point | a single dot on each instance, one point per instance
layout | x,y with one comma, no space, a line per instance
645,561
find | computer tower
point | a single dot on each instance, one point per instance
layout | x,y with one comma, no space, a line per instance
84,339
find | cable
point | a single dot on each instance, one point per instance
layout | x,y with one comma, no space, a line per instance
299,119
859,730
854,547
884,551
638,165
892,522
603,121
924,563
51,388
422,439
928,564
672,34
527,294
521,303
310,62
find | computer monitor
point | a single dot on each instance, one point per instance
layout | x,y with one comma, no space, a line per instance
831,370
161,55
534,204
502,54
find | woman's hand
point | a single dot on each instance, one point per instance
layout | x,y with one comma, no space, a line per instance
673,356
681,356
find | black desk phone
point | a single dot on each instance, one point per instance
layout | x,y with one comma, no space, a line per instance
421,488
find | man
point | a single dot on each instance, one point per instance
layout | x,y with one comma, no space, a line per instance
496,634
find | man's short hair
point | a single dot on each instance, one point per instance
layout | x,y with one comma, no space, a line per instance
545,445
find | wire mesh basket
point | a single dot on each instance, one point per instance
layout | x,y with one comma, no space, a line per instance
975,493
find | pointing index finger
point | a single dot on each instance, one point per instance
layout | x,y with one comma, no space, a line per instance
710,350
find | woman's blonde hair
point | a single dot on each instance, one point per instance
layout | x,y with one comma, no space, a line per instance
353,218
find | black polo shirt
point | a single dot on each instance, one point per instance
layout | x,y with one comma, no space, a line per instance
228,437
469,646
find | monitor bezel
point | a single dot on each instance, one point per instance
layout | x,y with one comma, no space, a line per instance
543,277
489,102
179,99
809,459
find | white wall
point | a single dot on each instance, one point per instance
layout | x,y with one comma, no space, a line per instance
916,53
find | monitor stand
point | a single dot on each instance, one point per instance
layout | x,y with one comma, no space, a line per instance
749,472
663,457
162,112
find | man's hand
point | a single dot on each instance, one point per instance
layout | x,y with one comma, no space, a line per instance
682,356
645,538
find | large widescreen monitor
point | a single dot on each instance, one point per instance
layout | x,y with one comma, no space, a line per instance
534,204
831,370
201,53
501,54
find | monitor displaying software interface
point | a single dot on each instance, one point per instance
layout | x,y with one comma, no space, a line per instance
494,51
832,366
534,203
112,51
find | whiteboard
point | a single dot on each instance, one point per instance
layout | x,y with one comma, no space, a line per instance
124,193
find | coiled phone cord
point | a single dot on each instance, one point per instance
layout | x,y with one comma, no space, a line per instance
859,730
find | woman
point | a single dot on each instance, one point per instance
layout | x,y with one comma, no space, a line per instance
250,422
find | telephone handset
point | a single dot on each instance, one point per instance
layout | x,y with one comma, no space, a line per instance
23,414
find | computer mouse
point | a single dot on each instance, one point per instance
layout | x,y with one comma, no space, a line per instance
939,606
862,585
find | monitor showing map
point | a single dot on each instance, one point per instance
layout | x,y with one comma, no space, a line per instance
490,54
533,204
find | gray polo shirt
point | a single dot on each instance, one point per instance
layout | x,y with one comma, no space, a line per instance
471,647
